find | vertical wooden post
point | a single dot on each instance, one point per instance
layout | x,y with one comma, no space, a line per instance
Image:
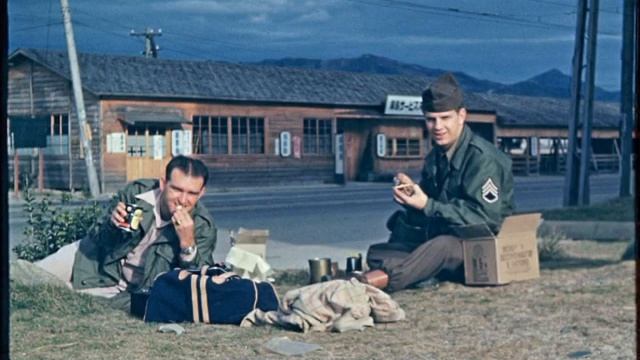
527,156
538,155
570,196
627,95
78,96
16,174
40,170
229,136
585,155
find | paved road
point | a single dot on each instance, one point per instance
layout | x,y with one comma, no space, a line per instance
333,220
332,214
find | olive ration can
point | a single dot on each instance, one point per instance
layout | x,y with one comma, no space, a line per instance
132,219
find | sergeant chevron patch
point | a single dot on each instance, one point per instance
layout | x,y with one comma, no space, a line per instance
489,191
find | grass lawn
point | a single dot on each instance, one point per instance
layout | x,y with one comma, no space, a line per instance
621,209
583,303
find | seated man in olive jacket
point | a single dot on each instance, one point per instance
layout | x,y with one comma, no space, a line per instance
465,181
175,231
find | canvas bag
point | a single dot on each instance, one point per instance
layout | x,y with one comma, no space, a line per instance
193,296
403,232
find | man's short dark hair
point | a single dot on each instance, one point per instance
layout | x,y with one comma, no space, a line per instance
189,166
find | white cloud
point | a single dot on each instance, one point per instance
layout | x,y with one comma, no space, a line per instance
314,16
225,6
258,18
434,40
274,35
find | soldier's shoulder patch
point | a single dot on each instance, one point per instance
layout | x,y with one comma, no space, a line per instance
490,192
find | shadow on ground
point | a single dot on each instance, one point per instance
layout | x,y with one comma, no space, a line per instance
571,262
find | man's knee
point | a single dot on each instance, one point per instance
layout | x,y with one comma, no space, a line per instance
451,249
383,255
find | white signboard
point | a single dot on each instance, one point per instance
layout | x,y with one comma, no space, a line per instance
297,153
285,144
339,154
534,145
276,146
181,142
403,105
158,147
116,143
10,143
381,145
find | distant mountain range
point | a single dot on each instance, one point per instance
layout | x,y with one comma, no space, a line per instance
552,83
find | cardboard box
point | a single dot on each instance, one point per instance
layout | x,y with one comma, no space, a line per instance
511,256
253,241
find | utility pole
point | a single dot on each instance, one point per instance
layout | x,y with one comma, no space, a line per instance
571,176
79,100
587,119
150,47
5,319
626,96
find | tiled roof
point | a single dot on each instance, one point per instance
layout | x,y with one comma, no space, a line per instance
516,110
136,76
116,75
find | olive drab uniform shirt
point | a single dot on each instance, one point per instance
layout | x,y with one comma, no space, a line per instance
475,186
98,260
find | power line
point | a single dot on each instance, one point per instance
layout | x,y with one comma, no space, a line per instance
28,28
171,49
48,29
171,33
467,14
174,33
605,10
80,23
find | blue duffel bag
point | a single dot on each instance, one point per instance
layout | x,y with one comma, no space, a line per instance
209,295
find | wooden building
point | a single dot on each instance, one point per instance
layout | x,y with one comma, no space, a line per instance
250,124
534,131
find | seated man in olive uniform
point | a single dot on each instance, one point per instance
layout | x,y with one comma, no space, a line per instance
175,230
465,180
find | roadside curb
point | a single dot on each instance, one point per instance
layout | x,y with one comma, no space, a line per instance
592,230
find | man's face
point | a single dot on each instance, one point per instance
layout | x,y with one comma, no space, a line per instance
180,190
445,127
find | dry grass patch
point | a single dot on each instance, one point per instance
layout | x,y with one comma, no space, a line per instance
584,304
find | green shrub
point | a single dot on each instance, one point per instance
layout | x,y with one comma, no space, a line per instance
51,227
549,247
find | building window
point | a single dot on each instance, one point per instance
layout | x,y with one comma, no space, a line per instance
397,147
58,138
146,141
247,135
317,136
210,135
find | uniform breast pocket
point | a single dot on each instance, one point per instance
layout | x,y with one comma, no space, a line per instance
454,185
428,183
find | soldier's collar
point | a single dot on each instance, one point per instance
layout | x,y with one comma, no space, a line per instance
152,197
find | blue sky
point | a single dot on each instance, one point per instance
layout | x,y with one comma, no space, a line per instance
500,40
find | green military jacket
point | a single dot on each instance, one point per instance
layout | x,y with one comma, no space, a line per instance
98,260
477,187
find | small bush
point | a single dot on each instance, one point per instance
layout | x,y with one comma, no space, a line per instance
49,228
620,209
549,247
292,277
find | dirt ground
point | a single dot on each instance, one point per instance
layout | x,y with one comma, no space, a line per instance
583,306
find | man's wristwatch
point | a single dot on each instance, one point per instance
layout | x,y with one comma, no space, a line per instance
188,250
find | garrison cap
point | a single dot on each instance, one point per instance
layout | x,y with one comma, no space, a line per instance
443,94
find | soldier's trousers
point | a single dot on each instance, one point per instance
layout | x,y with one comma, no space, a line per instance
408,264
